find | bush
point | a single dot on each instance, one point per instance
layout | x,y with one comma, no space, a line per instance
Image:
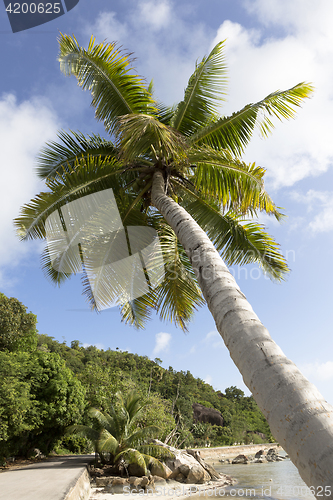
39,397
73,444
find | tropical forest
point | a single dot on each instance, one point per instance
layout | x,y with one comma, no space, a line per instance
48,388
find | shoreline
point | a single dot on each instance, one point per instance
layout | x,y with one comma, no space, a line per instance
233,451
173,489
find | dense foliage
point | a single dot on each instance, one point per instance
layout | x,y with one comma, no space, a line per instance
47,386
118,437
39,398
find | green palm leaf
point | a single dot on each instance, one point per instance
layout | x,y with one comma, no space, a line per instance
107,443
103,419
55,276
90,175
153,451
56,157
143,135
165,299
239,242
83,430
170,304
106,72
140,435
235,184
134,405
203,95
234,132
133,456
138,311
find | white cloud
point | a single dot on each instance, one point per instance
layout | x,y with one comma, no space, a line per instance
107,27
208,379
213,334
322,371
294,15
323,222
259,65
155,14
162,342
322,203
168,59
98,345
259,62
214,339
24,128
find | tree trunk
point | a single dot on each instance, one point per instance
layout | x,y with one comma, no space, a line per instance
299,417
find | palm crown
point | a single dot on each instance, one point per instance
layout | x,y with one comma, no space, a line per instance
197,150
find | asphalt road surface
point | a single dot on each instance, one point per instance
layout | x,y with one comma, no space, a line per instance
49,480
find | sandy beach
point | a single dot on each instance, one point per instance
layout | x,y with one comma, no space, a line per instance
173,489
170,490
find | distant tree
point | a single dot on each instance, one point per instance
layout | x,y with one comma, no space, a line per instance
157,411
101,383
75,344
233,393
39,398
17,327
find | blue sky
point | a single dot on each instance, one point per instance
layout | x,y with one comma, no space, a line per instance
271,45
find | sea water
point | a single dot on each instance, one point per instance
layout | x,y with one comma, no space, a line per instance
272,480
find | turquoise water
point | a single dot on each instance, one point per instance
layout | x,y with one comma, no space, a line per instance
275,480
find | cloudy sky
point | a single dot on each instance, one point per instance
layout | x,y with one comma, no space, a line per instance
270,45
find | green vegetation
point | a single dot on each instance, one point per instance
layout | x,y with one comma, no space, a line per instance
47,386
189,146
118,437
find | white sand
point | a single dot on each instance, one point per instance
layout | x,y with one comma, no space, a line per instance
172,490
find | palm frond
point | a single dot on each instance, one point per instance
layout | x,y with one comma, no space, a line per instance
107,443
166,298
90,176
55,157
84,431
117,275
239,242
140,435
144,135
203,95
178,296
137,311
106,72
53,274
235,184
133,456
154,451
165,113
234,132
104,419
134,405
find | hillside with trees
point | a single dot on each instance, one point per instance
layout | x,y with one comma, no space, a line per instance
47,386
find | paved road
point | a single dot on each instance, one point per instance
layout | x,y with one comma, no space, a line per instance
49,480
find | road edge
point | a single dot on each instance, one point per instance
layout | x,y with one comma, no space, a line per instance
82,489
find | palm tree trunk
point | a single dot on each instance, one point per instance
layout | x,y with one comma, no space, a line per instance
299,417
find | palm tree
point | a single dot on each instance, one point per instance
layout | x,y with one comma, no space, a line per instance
178,170
118,436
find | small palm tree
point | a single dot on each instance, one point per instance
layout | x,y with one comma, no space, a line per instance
117,438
